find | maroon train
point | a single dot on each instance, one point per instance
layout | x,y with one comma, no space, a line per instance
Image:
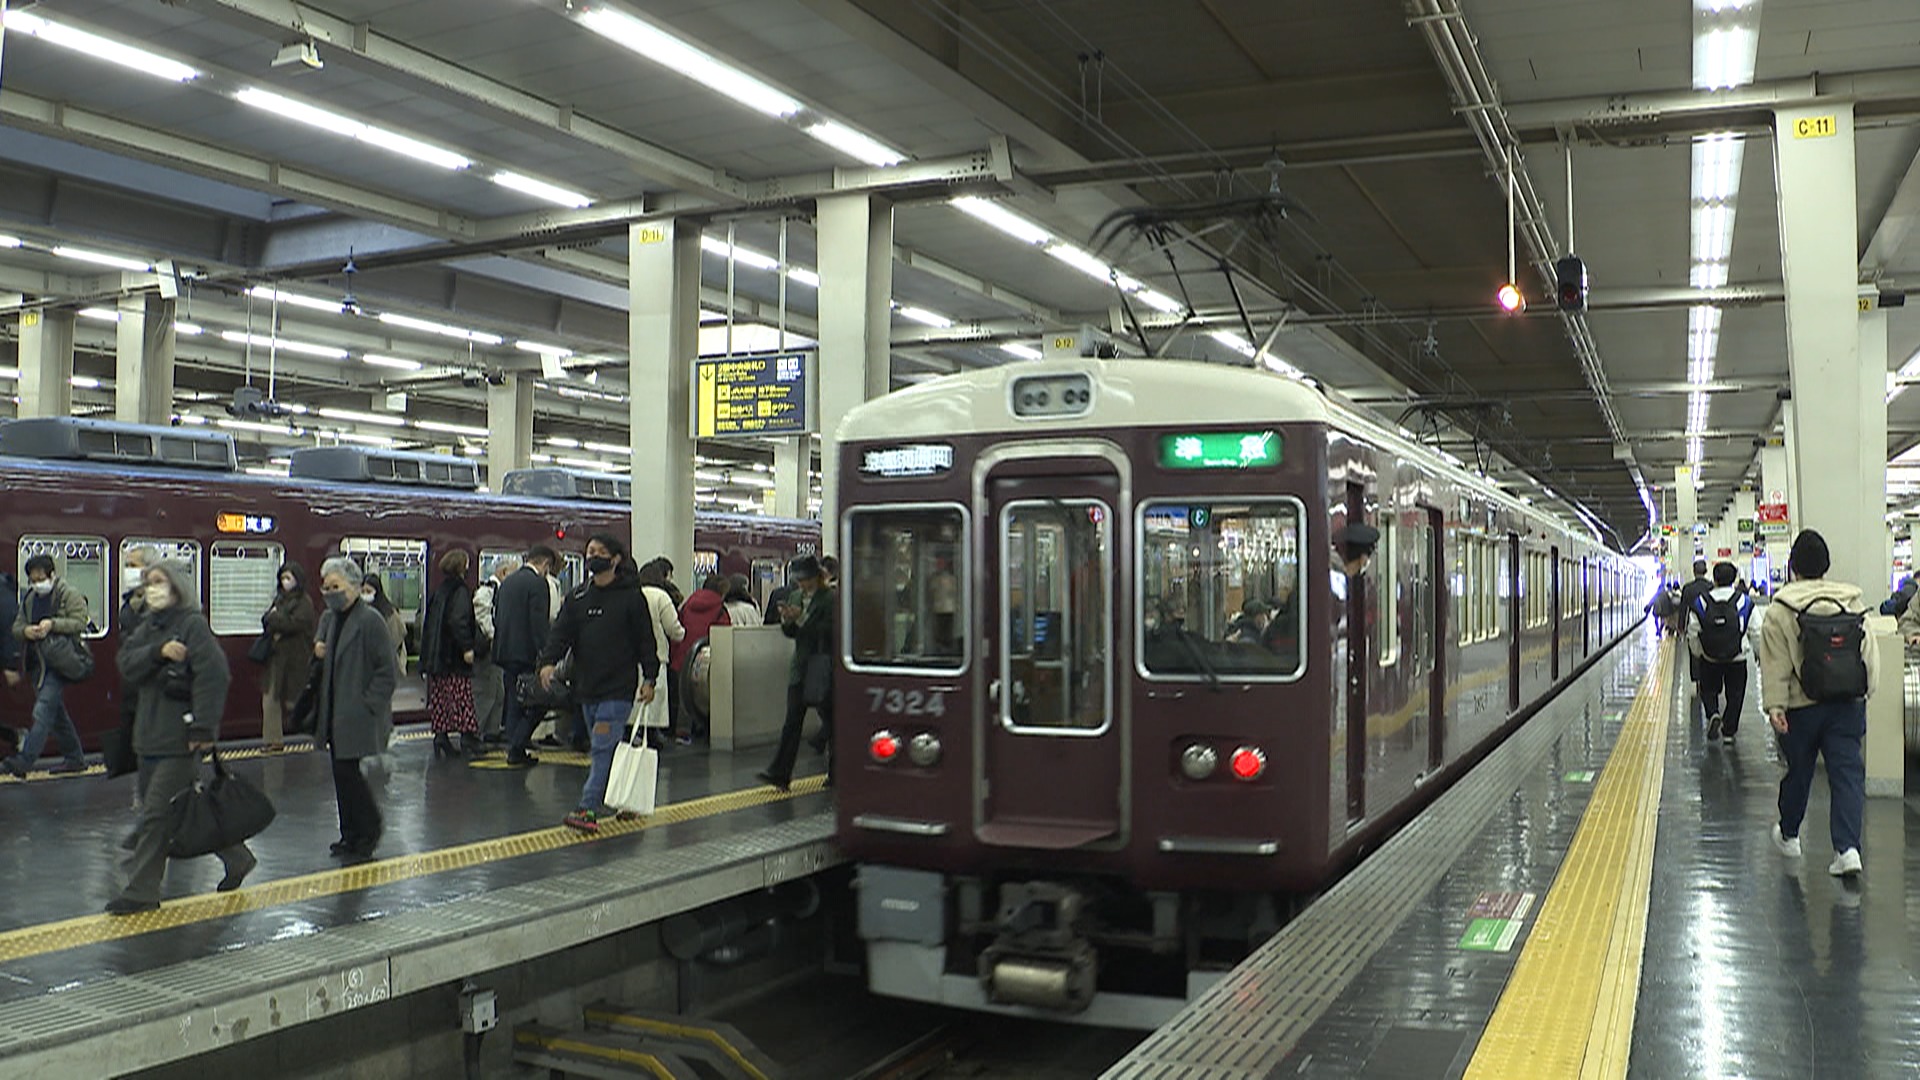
95,490
1109,710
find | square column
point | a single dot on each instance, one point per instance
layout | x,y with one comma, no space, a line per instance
1873,449
1838,430
856,321
509,428
664,331
46,363
792,476
1686,508
143,360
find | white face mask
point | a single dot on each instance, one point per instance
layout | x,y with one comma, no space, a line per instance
366,594
42,587
159,597
286,584
130,577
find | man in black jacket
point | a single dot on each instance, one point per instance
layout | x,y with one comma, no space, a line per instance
608,626
9,656
1690,595
522,608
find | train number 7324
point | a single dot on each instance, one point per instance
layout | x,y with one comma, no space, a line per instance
907,702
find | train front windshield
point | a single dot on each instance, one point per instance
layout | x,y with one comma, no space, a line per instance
1220,589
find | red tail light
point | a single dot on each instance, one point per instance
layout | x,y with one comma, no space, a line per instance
1247,763
884,746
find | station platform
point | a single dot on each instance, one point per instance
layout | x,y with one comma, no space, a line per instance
1600,897
473,874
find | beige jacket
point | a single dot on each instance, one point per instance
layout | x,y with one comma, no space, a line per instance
1780,640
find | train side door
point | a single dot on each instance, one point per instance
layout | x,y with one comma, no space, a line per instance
1051,769
1554,607
1354,620
1515,619
1437,615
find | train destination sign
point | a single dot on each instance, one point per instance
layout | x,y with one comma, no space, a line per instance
1220,450
921,459
752,395
251,524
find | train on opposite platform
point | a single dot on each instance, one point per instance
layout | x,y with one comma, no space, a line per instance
1109,706
86,492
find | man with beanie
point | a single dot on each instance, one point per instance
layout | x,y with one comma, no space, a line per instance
1816,699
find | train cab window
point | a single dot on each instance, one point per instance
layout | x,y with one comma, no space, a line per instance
184,552
1220,590
242,577
905,589
1056,612
401,566
80,561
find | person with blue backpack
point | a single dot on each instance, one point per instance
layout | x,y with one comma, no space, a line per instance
1817,670
1717,634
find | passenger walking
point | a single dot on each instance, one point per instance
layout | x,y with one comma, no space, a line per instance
607,624
446,658
663,604
521,617
706,608
10,650
1718,633
808,618
354,717
1690,595
1815,696
175,670
290,622
50,609
741,610
133,607
488,696
375,594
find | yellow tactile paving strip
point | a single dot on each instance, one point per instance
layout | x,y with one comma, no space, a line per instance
1567,1011
295,746
93,929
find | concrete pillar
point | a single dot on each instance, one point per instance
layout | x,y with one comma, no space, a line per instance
664,329
1686,506
1872,437
46,363
143,360
1833,392
509,428
792,477
856,317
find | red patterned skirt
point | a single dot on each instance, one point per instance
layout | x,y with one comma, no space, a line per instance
450,703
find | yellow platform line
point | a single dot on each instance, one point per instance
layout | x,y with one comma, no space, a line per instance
31,941
239,753
1567,1011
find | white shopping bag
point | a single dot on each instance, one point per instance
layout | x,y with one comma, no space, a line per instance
634,781
651,714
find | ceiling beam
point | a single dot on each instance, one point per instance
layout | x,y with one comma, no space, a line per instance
1903,212
1694,111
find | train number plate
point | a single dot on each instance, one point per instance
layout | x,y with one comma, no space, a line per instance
907,702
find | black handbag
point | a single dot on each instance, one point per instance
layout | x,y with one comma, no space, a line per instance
117,752
558,696
66,656
816,681
261,651
216,814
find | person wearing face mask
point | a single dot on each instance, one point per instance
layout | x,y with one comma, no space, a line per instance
354,715
291,621
49,607
607,624
375,594
133,608
178,675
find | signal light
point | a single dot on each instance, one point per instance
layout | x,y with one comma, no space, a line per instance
1198,761
883,747
1570,275
924,749
560,533
1247,763
1510,299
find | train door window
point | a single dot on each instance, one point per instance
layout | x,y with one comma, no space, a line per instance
1220,590
1387,601
242,578
1419,598
491,558
1056,611
1503,593
903,601
184,552
571,571
705,564
80,561
766,576
401,566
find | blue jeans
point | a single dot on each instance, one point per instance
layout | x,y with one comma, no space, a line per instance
1833,730
50,719
606,727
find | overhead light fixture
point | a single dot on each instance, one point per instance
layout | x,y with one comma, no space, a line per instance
543,350
540,189
670,52
327,120
187,329
99,48
262,341
267,292
9,241
1001,218
923,316
352,417
369,440
1081,260
586,463
1233,341
713,245
100,313
256,426
1723,58
428,326
803,276
394,362
854,143
1024,352
609,448
451,429
1160,301
101,258
1510,298
563,442
84,382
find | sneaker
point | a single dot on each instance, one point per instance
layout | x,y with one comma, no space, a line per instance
1713,727
123,906
1845,864
1726,737
1787,845
584,820
15,766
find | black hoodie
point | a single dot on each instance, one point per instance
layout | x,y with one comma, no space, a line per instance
610,632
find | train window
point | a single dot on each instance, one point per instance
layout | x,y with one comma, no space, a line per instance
1503,594
80,561
705,564
1219,590
1457,587
491,558
571,571
1056,616
1386,596
184,552
241,579
401,566
905,589
767,575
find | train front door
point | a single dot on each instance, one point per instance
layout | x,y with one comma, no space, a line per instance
1051,767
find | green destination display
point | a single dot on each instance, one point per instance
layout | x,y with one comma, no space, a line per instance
1220,450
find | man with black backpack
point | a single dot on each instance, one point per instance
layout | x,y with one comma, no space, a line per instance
1817,669
1717,633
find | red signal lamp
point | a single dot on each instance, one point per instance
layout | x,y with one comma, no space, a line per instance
1510,299
560,533
883,747
1247,763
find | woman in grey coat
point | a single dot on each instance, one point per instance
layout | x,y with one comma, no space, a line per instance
178,675
354,715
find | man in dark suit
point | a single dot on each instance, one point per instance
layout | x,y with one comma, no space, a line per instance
522,614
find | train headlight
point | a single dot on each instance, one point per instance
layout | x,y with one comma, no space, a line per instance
884,747
924,749
1198,761
1247,763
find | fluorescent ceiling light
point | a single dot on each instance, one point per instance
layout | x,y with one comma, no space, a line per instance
1712,233
100,48
1707,275
352,417
563,442
1716,166
715,246
264,470
85,382
1274,363
670,52
609,448
407,146
542,349
925,317
586,463
1232,341
267,292
241,337
540,189
1723,58
1003,219
9,241
1695,449
326,120
451,429
478,337
256,426
9,373
187,329
1024,352
103,314
394,362
370,440
1160,301
100,258
804,276
855,144
1081,260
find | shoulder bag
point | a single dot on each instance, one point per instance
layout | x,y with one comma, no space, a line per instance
216,814
66,656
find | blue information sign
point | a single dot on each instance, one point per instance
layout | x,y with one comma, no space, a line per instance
751,395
